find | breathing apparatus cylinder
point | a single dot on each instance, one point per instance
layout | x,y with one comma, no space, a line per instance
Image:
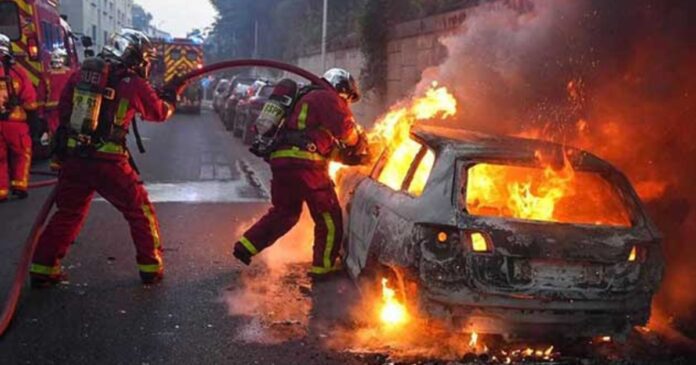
277,106
88,97
272,117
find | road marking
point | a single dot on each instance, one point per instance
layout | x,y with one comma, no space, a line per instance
223,172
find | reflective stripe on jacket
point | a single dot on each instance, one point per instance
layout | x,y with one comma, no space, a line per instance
325,118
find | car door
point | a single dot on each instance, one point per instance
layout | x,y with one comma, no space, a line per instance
394,184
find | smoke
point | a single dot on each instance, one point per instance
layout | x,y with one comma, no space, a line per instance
614,77
269,291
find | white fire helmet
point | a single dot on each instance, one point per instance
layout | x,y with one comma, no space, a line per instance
5,46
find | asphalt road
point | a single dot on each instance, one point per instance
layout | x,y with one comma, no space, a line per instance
210,309
206,188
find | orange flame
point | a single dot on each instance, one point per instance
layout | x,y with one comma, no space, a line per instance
392,313
473,340
544,194
391,132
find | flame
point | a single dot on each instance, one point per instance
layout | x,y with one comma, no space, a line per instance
544,193
392,313
391,133
473,340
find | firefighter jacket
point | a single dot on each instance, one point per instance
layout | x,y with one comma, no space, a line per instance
23,92
323,119
57,81
133,95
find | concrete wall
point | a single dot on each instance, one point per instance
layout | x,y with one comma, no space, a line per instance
413,47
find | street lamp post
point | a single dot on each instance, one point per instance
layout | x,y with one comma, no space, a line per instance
323,35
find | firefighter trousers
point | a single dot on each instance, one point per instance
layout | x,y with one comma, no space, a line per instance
15,157
290,188
119,184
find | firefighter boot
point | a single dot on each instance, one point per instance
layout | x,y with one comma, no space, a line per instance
151,278
41,281
242,254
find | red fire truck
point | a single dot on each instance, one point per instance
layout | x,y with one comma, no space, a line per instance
36,30
177,57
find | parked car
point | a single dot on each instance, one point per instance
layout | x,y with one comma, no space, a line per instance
228,112
461,254
248,110
220,94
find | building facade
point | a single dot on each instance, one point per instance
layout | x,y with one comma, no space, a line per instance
98,18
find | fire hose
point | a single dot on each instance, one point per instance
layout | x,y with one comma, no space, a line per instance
177,84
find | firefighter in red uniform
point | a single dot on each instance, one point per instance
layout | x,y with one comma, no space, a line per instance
319,121
59,75
96,109
17,106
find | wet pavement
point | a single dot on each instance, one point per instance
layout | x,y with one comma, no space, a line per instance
210,309
206,188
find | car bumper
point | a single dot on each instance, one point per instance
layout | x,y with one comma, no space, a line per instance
530,317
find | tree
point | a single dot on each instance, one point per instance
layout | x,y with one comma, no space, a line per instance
142,20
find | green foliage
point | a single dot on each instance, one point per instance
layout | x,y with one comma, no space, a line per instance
374,36
287,29
142,20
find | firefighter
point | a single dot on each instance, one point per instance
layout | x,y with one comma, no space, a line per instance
96,109
319,121
58,78
17,106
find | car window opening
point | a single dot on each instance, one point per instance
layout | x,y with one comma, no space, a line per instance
544,194
400,163
9,20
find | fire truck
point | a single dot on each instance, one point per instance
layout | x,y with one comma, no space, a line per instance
176,57
36,30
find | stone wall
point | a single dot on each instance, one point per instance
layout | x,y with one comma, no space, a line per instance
413,47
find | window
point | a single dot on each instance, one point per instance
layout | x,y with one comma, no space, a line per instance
222,86
58,37
94,32
176,54
408,167
420,176
47,34
192,55
544,194
266,91
9,20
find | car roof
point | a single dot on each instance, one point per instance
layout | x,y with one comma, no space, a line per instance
475,145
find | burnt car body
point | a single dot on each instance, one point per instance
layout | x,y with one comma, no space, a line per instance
535,279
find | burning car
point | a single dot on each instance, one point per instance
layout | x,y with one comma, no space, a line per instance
503,235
